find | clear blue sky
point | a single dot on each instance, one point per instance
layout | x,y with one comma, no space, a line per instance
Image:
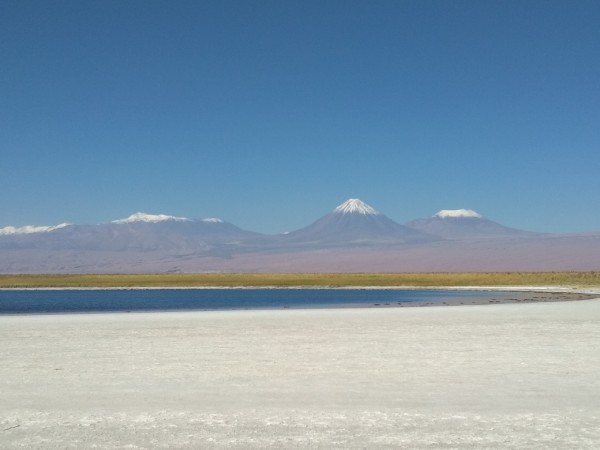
270,113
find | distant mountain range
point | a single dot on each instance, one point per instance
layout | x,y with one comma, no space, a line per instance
352,237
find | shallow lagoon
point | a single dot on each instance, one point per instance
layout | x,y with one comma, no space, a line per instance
107,300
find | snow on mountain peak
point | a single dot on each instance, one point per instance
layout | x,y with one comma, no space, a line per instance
29,229
355,206
212,220
151,218
458,213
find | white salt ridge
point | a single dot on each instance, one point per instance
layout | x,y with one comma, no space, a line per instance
151,218
29,229
355,206
452,213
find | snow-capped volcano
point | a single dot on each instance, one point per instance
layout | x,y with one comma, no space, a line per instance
152,218
355,206
461,224
355,223
457,213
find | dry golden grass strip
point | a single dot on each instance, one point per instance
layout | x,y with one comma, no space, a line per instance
571,279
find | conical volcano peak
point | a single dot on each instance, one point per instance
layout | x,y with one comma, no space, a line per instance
355,206
458,213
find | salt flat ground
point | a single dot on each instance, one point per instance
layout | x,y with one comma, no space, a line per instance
473,377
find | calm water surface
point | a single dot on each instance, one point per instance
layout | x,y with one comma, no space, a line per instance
62,301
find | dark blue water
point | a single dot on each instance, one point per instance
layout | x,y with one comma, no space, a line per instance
63,301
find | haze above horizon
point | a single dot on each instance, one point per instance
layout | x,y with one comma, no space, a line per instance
267,114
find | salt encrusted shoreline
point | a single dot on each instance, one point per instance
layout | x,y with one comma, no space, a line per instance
494,376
